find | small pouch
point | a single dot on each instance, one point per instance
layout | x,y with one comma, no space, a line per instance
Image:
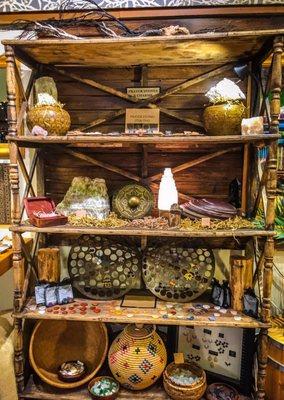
65,292
40,293
217,293
227,294
250,303
51,298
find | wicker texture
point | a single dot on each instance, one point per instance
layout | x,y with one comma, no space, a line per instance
52,118
224,119
54,342
137,357
185,392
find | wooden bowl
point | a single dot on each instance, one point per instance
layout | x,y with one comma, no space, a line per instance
54,342
98,378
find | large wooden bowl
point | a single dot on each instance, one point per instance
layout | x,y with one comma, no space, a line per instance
54,342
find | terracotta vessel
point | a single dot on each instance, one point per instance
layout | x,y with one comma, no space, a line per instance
224,119
53,118
137,357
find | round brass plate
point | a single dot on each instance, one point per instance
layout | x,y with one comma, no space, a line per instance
178,273
103,269
133,201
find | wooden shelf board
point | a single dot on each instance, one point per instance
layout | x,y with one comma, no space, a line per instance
69,229
39,390
205,48
34,141
112,312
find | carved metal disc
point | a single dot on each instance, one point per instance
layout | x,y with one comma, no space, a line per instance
133,201
178,273
103,269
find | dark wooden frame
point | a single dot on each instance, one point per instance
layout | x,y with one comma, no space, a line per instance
21,279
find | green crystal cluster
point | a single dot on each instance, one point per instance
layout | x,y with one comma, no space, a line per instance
104,387
86,194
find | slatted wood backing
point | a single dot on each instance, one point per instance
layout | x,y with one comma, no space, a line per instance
86,103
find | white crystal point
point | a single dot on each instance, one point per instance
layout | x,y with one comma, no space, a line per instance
168,194
225,90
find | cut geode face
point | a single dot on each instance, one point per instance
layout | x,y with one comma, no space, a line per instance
86,196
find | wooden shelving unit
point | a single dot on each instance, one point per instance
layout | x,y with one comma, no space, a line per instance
88,65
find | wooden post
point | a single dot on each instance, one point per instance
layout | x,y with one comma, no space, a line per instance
11,90
262,363
236,282
276,83
18,273
49,265
18,354
18,262
245,178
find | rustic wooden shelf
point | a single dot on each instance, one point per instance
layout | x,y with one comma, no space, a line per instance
34,141
69,229
41,391
176,64
195,49
112,312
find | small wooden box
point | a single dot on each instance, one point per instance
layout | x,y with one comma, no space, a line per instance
45,204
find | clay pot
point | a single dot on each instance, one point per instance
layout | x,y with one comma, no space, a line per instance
137,357
53,118
224,119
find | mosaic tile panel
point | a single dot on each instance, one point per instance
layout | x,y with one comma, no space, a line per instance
37,5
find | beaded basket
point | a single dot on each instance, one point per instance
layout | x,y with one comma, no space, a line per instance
137,357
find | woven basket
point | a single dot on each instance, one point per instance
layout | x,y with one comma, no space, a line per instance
137,357
54,342
185,392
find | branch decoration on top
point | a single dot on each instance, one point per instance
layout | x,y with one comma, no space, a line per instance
106,24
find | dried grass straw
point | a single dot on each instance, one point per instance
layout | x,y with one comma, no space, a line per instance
187,224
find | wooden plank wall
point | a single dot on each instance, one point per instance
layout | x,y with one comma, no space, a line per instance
84,104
